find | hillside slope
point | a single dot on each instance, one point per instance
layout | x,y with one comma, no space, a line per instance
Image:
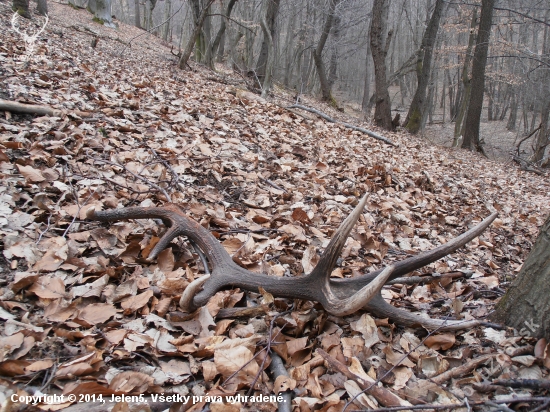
86,313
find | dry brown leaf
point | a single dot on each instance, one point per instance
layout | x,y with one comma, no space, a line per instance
442,341
48,287
131,382
31,174
95,313
136,302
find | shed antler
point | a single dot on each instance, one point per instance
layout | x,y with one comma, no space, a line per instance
338,296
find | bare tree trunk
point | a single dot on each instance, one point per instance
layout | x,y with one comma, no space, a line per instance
366,88
166,19
43,7
473,115
413,122
218,40
137,17
270,18
459,129
543,138
318,53
333,66
22,8
102,10
266,85
379,41
526,306
191,42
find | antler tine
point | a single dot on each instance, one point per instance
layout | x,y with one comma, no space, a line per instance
347,306
330,255
382,309
178,224
342,286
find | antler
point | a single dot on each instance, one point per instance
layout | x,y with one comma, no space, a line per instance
338,296
29,40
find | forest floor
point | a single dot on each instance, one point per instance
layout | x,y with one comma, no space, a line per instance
85,314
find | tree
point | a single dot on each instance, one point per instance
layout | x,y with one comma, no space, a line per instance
272,9
326,94
525,306
217,44
380,43
473,115
102,11
195,35
22,8
466,84
42,7
137,17
413,122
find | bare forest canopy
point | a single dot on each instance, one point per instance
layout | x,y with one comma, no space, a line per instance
99,117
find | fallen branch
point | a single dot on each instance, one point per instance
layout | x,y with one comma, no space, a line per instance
381,394
439,407
16,107
277,368
349,126
460,370
11,106
523,383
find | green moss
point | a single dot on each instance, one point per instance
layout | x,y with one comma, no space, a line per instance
98,20
413,125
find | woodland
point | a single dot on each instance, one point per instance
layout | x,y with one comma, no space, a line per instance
274,206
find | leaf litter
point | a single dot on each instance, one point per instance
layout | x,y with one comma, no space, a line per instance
85,313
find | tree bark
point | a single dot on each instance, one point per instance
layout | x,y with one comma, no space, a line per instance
191,42
137,17
266,85
326,94
42,7
102,11
22,8
459,129
526,306
379,41
413,122
270,18
473,115
221,32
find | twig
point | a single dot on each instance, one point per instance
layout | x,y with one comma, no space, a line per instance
143,179
277,368
268,347
523,383
270,183
460,370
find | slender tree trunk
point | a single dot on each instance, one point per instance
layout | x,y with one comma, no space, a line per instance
220,36
366,88
196,31
333,65
270,58
166,26
473,115
526,306
270,19
413,122
318,53
137,17
379,41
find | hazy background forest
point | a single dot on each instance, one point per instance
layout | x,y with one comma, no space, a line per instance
517,77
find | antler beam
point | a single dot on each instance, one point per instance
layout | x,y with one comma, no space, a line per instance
338,296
